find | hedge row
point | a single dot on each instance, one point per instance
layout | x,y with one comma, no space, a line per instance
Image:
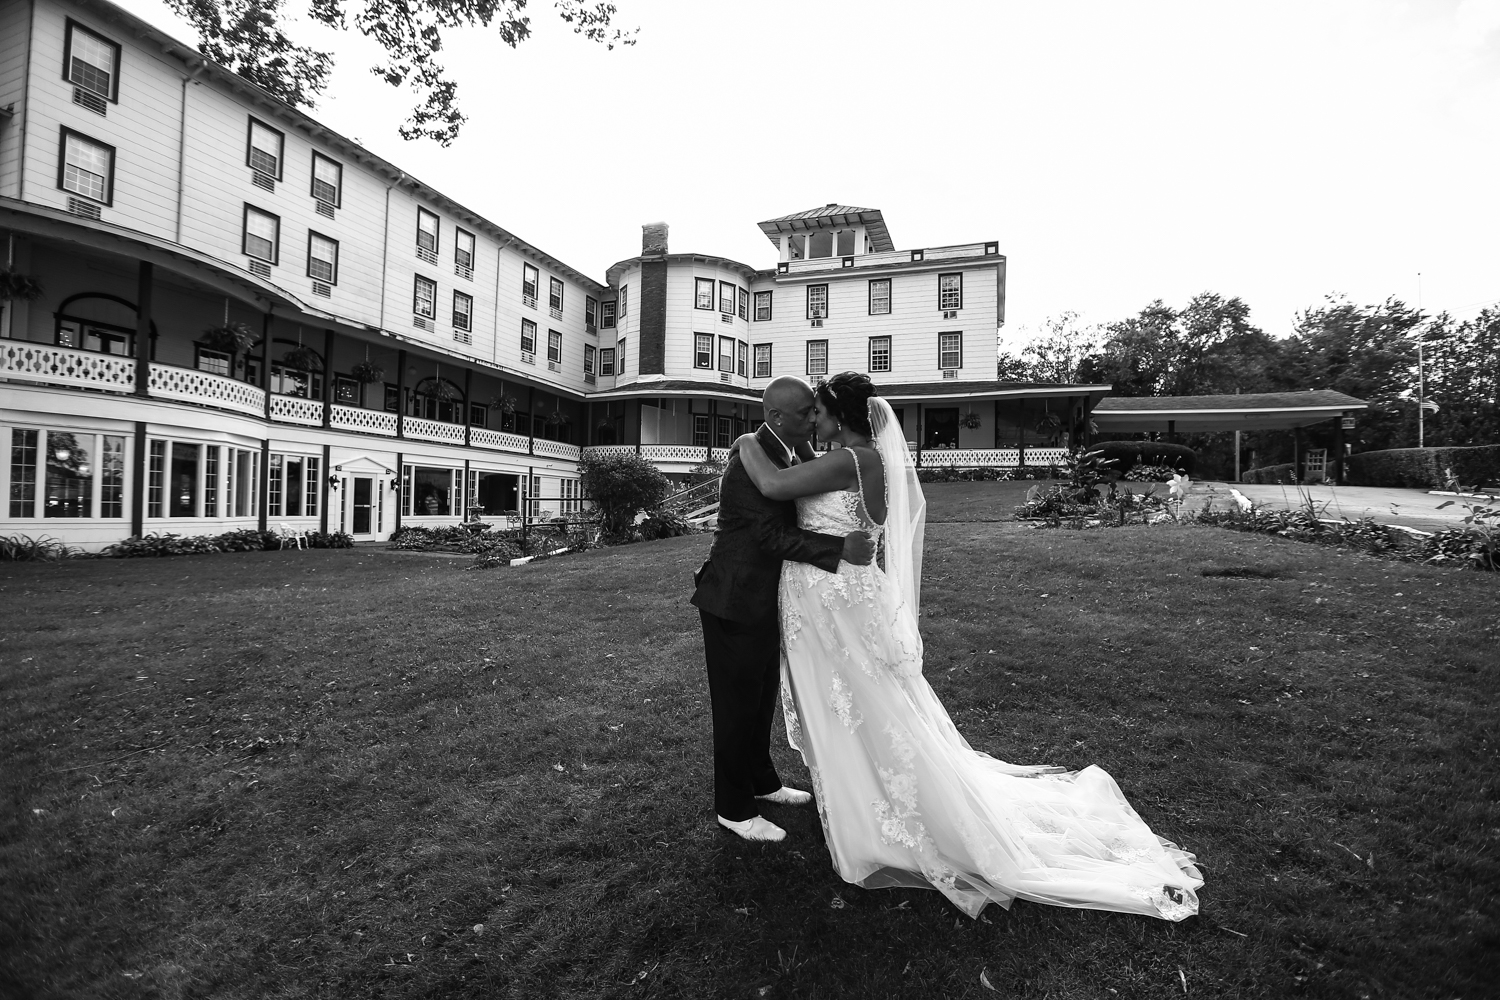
1270,474
1425,468
1128,454
244,540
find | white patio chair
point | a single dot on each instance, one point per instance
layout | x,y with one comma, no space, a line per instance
286,534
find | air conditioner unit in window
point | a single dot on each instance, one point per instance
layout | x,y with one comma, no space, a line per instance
554,312
430,256
325,208
553,366
319,288
590,328
950,373
464,271
86,209
422,323
817,324
261,268
528,358
726,317
950,314
723,376
92,101
263,180
463,336
529,301
588,377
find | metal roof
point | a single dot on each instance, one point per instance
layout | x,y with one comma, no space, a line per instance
1247,411
828,217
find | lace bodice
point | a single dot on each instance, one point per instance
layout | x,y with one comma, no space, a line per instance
835,513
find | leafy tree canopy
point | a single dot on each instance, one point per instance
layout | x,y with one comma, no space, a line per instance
247,36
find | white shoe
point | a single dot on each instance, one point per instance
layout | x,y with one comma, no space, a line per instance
788,796
755,828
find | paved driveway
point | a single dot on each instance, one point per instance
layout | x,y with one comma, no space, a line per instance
1412,508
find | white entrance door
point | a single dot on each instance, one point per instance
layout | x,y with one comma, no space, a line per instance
364,507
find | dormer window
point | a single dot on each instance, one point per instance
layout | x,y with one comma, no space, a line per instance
92,62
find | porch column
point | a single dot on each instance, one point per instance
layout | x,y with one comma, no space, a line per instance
463,494
468,406
640,423
138,488
1338,452
143,329
265,368
327,390
327,471
919,435
1297,457
400,475
530,427
264,486
400,404
1172,431
713,429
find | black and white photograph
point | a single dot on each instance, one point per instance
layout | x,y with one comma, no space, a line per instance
824,499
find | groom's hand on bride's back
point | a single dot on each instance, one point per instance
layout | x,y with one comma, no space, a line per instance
858,549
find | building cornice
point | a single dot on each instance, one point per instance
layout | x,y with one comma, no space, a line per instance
745,271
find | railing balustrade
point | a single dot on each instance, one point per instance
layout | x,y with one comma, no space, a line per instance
555,449
354,418
434,430
193,386
674,452
21,359
483,437
296,410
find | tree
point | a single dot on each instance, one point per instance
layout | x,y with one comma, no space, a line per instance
247,37
1055,353
621,486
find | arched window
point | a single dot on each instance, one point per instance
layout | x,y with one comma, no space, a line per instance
437,399
98,321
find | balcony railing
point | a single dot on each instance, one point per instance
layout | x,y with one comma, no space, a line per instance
353,418
930,458
20,359
434,430
483,437
296,410
193,386
555,449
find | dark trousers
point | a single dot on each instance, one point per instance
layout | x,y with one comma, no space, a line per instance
744,682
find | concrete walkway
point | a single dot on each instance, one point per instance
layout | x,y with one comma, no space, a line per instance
1411,508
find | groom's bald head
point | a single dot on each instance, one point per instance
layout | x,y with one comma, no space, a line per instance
788,403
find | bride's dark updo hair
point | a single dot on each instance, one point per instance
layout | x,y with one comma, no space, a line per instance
847,397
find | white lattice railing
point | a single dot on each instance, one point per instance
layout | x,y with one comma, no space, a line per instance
556,449
193,386
296,410
65,366
721,454
611,449
1046,456
674,452
354,418
971,458
483,437
434,430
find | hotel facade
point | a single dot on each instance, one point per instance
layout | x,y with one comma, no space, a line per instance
247,320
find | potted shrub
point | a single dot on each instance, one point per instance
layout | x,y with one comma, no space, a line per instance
503,404
971,420
18,286
303,359
231,338
367,372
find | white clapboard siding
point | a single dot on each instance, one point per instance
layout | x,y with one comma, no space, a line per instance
14,20
684,321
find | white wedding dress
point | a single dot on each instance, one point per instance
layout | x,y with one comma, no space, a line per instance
904,799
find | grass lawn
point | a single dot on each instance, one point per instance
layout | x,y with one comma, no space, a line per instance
299,774
983,501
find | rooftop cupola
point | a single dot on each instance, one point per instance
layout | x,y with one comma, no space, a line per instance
831,231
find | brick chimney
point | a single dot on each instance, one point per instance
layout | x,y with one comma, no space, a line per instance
654,239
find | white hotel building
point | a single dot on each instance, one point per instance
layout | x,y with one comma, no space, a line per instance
412,362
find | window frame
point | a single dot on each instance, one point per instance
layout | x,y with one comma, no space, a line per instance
607,314
951,274
459,233
536,280
245,235
437,230
606,359
67,65
591,311
703,351
250,147
62,166
770,299
770,356
620,356
889,354
468,326
698,284
554,337
555,290
951,333
732,298
417,280
198,355
743,305
532,349
589,350
355,398
809,364
338,188
311,233
870,297
722,357
810,288
741,358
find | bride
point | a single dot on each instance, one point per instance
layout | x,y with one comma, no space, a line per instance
904,799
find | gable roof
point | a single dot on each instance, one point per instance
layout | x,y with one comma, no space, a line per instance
829,216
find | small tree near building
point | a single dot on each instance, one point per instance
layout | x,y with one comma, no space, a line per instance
621,486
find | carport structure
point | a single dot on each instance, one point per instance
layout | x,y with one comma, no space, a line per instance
1255,411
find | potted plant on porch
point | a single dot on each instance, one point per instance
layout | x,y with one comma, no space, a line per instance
18,286
303,359
231,338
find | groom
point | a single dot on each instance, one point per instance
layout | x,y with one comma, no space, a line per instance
736,598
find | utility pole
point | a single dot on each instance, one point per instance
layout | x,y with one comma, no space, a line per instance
1421,374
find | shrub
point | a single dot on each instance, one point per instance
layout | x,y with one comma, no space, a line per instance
330,540
620,486
246,540
1150,474
1270,474
664,524
1466,547
24,548
1128,454
1424,468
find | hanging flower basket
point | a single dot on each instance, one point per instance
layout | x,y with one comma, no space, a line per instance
971,420
439,389
503,404
1048,421
231,338
21,287
368,372
557,419
303,359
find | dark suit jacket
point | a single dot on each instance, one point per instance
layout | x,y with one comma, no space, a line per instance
754,536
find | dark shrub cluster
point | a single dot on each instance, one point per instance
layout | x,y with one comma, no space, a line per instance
242,540
1425,468
1128,454
664,524
1270,474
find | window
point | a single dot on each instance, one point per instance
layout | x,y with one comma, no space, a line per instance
762,307
704,298
182,484
477,412
950,291
264,154
112,478
206,360
528,337
328,180
741,356
530,278
296,382
75,467
463,248
348,390
262,235
23,473
392,401
322,258
880,354
607,316
554,346
606,361
624,300
242,472
588,359
463,311
91,61
726,354
554,293
426,492
817,357
590,310
292,486
817,301
95,337
700,430
427,231
762,360
424,297
880,297
620,356
950,350
156,472
703,350
726,297
723,435
744,304
86,167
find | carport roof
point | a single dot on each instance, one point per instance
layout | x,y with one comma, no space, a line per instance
1246,412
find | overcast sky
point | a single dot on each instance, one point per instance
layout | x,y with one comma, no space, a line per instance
1119,152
